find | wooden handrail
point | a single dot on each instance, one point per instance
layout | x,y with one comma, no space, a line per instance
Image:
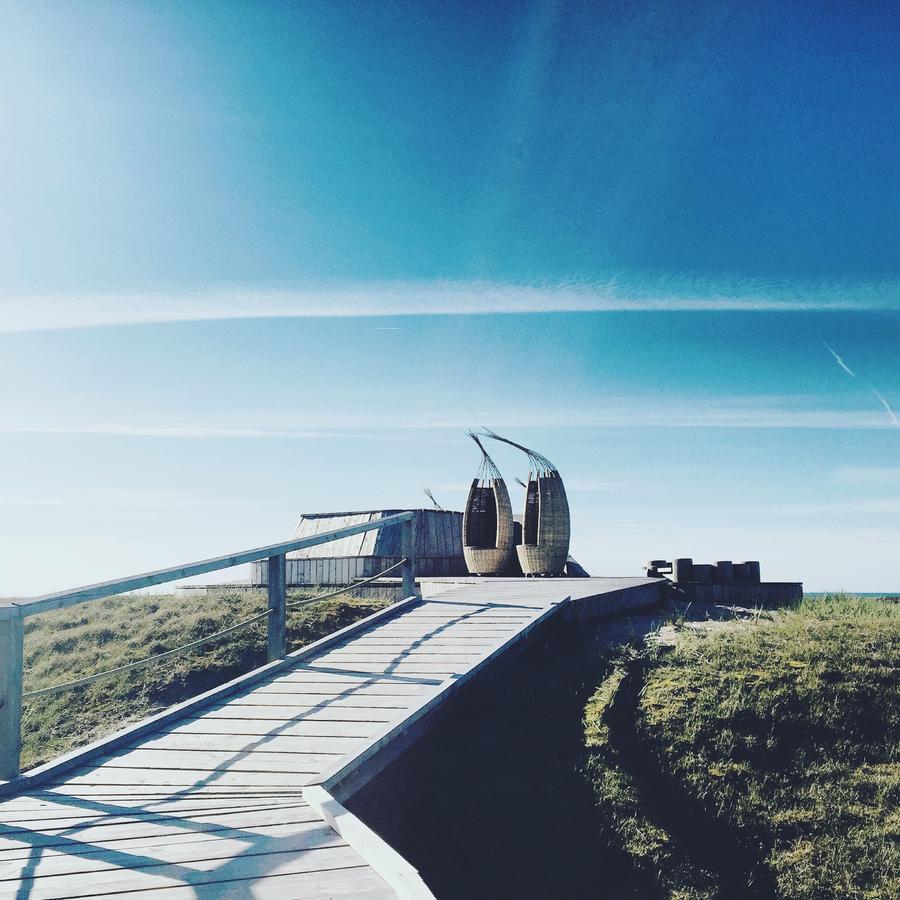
12,614
33,605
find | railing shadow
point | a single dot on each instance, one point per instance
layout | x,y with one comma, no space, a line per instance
258,845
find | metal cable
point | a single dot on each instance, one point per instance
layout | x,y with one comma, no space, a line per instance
78,682
350,587
89,679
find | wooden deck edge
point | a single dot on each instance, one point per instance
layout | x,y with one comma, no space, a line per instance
349,775
615,603
401,876
48,771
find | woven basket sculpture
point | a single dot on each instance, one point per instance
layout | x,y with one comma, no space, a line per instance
488,520
546,526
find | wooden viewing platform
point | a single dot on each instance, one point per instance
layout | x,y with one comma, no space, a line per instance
239,793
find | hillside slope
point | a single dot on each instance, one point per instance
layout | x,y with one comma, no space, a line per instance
78,641
757,758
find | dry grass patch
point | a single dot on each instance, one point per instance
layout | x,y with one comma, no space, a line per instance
68,644
780,740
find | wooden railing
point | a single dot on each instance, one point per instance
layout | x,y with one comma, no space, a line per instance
12,615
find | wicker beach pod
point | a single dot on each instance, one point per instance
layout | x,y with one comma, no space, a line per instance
546,525
488,521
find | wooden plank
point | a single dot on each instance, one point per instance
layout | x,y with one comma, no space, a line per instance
286,714
334,689
437,643
413,668
442,539
447,640
412,653
183,778
345,675
316,692
399,671
359,882
441,625
428,628
423,614
11,643
267,727
74,813
494,607
280,743
415,654
429,624
148,758
147,832
276,635
121,795
410,633
397,661
305,701
110,871
441,639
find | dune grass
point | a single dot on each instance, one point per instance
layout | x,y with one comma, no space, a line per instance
760,758
71,643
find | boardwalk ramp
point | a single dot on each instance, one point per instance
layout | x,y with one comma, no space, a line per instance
238,794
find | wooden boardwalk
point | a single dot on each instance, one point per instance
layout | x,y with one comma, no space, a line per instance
241,798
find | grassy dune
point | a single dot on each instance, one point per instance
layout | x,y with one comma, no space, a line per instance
757,758
68,644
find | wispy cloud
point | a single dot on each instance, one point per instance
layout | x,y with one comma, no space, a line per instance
129,500
881,398
868,475
889,505
161,431
408,298
738,412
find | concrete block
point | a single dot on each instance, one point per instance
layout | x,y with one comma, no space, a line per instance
682,570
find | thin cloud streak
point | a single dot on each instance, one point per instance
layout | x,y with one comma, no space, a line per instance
424,298
399,428
889,505
868,475
132,500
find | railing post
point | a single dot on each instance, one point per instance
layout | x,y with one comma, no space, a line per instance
277,580
11,639
408,548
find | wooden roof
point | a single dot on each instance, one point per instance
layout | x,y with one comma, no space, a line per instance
438,534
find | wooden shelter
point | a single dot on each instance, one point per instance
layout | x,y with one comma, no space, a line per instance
439,550
546,526
488,521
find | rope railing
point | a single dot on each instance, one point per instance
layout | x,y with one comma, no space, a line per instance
350,587
13,614
140,663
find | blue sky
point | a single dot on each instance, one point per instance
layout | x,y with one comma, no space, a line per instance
264,259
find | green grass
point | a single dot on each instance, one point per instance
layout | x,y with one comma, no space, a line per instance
758,758
71,643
